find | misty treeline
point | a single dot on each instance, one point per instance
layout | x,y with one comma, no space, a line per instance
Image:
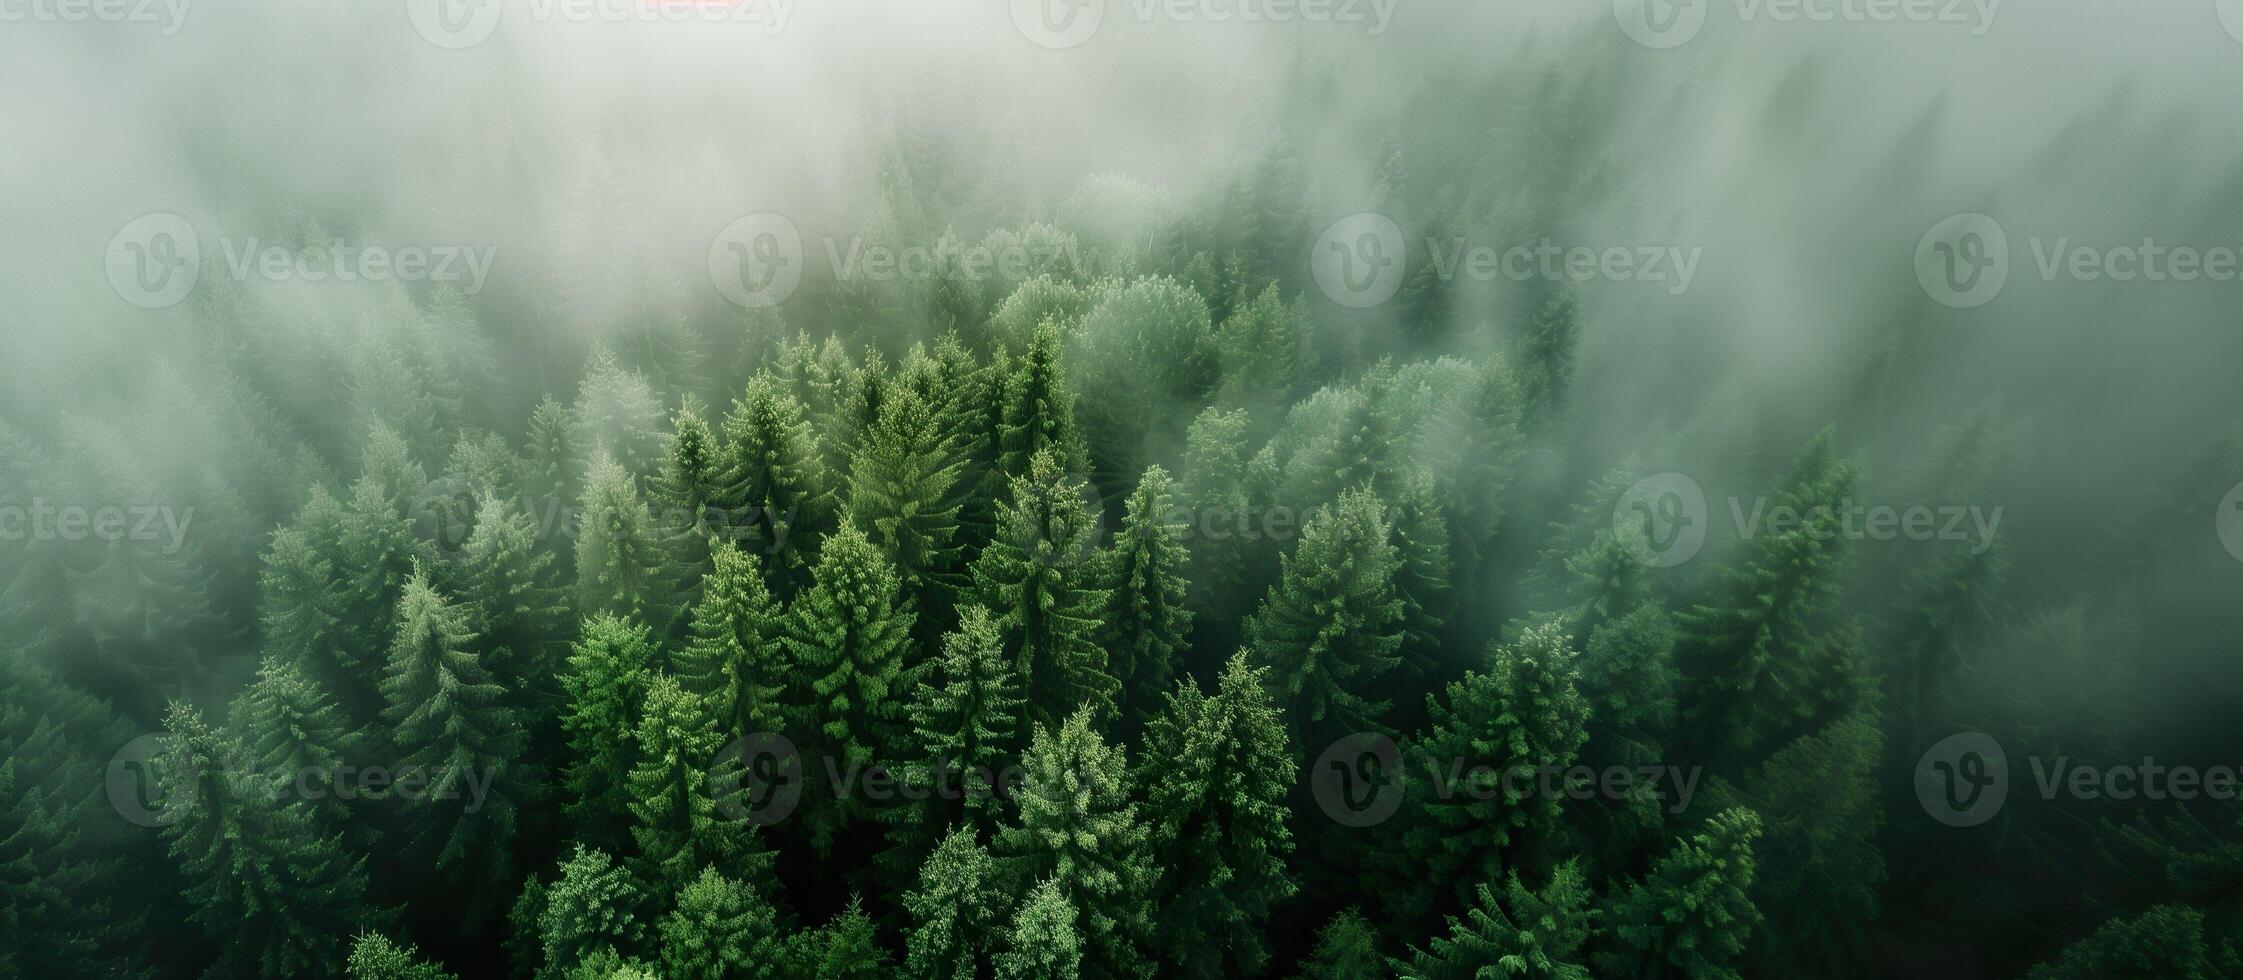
1059,584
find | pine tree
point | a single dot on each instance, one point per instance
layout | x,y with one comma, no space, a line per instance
618,417
1346,948
551,456
1772,654
1043,943
2163,942
592,909
275,891
607,680
956,911
686,490
1036,577
1331,624
374,957
290,727
677,828
1213,487
776,492
374,558
1263,349
1530,934
1421,539
1217,772
1820,867
966,720
900,495
1078,827
1501,744
302,606
850,640
1038,412
721,929
522,612
449,719
843,949
1693,913
1147,623
737,664
623,558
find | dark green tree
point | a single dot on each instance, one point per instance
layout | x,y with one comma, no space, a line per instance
1526,933
374,957
1038,579
776,487
1078,828
1693,914
1331,625
1147,622
676,824
849,638
956,911
721,929
607,679
1043,943
900,486
737,664
1217,771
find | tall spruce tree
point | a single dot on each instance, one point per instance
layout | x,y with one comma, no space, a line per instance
721,929
900,495
1078,828
1217,771
776,491
274,890
1037,579
676,824
450,720
606,683
1501,748
1331,625
1147,625
956,911
1043,943
1692,915
624,559
1526,933
849,637
736,663
966,718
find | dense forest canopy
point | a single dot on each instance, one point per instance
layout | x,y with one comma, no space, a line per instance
1120,489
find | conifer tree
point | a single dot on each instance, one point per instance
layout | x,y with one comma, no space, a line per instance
721,929
1078,828
1037,579
449,719
1217,771
776,493
1332,623
1043,943
374,558
1347,947
1526,933
736,663
686,489
843,949
289,726
966,721
1693,913
1213,487
1501,743
900,496
623,559
374,957
1147,621
1771,653
850,640
956,911
1819,866
1038,412
522,611
275,891
606,683
677,827
551,457
590,910
2164,941
303,612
